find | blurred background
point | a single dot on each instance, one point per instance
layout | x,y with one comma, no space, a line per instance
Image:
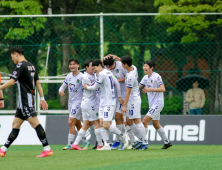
180,44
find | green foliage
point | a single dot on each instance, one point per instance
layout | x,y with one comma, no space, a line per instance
172,105
27,25
190,25
54,104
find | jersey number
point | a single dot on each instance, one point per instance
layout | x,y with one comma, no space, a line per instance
111,81
73,111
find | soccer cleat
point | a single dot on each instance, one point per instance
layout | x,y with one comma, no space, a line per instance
95,146
104,148
76,147
2,154
86,145
144,147
115,145
137,146
68,147
45,154
130,147
165,146
122,147
99,147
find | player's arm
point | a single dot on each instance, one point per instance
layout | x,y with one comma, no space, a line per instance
94,87
128,91
116,83
160,89
8,84
62,89
140,85
1,99
43,103
114,57
121,80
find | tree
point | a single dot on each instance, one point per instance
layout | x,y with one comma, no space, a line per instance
198,31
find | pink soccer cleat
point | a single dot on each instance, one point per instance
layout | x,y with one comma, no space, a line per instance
76,147
2,154
99,147
45,154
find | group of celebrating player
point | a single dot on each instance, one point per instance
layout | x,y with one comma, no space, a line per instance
109,88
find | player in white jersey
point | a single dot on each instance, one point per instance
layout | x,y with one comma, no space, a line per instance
88,107
74,83
154,88
105,80
132,104
119,72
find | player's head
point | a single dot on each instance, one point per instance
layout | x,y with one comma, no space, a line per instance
97,65
16,52
148,66
126,61
109,63
88,66
73,64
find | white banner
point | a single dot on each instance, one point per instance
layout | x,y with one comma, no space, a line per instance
27,135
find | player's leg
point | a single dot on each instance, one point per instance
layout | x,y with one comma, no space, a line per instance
12,136
118,119
34,122
97,129
79,126
95,146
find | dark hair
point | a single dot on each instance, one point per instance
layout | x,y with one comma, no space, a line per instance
73,59
86,63
150,63
108,61
17,49
126,60
97,62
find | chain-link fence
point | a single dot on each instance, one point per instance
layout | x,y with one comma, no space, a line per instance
142,37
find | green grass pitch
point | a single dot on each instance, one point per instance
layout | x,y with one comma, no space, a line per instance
178,157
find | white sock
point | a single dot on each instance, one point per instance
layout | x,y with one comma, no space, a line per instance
142,130
123,128
146,130
162,134
92,130
136,132
47,148
99,136
80,136
105,136
115,130
3,148
84,139
70,139
120,128
131,135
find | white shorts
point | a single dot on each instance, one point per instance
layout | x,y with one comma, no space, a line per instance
118,106
74,111
89,112
106,112
133,109
154,112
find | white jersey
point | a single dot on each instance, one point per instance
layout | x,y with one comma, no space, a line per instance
105,80
131,81
89,96
119,72
154,81
75,87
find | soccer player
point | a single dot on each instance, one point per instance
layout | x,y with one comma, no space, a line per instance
154,88
105,80
119,72
74,83
132,104
27,79
88,107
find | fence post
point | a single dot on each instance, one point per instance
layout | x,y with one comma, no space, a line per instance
101,36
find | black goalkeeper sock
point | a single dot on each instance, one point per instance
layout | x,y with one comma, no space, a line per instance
41,134
13,135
